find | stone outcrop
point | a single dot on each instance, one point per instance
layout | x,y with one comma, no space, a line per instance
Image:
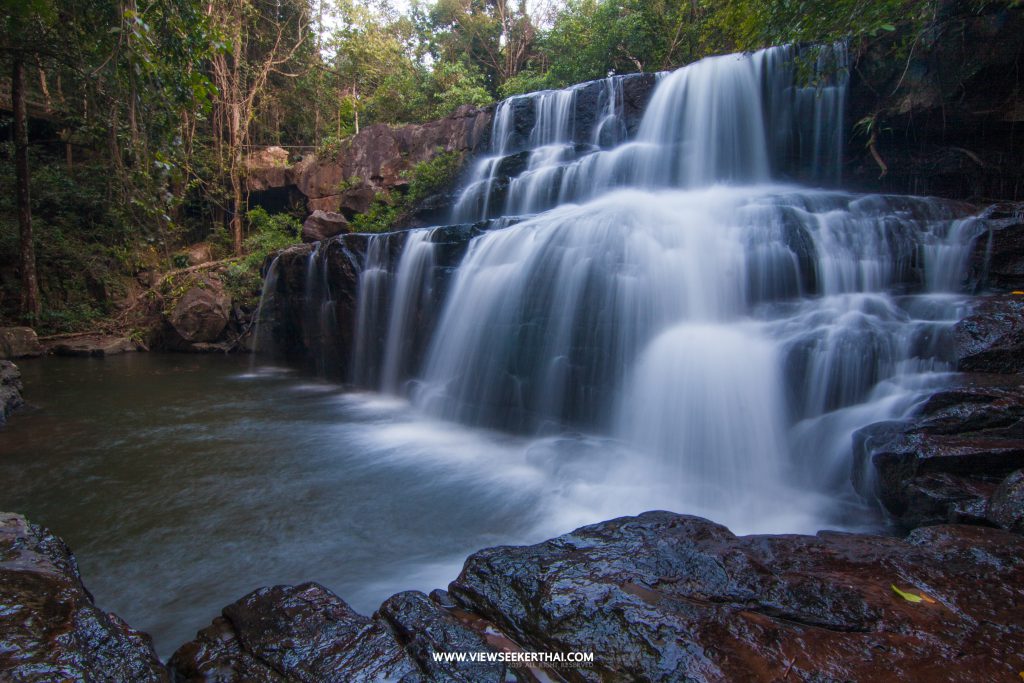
10,389
659,597
997,261
375,160
991,338
267,168
50,629
1006,506
947,119
327,339
19,342
944,463
306,633
90,346
322,225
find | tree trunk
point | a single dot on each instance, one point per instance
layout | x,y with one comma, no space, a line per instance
29,283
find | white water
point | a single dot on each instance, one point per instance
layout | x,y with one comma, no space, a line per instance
675,323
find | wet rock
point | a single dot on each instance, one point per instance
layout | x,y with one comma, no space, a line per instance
91,346
997,260
50,629
991,339
1006,507
946,118
666,597
19,342
943,463
10,389
306,633
202,312
323,224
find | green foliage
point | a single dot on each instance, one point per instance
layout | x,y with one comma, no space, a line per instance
524,82
268,233
457,84
425,179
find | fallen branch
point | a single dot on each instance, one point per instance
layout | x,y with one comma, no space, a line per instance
876,156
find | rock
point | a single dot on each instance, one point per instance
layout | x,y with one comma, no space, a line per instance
946,118
266,169
199,253
50,629
380,156
991,338
91,346
1006,508
997,260
942,464
667,597
10,389
19,342
306,633
323,224
202,312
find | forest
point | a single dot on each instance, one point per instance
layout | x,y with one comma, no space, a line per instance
140,113
512,340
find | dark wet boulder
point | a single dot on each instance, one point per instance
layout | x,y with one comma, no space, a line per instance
306,633
667,597
50,628
991,338
10,389
1006,507
942,464
997,259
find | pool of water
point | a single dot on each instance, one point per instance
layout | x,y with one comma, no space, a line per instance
184,482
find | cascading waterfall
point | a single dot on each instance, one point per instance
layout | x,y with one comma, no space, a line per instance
672,289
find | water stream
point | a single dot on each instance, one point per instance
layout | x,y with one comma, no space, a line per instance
684,313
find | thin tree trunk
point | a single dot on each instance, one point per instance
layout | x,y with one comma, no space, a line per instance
29,283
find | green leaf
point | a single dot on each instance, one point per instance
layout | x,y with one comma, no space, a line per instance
887,27
909,597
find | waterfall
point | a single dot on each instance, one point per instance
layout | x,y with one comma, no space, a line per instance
688,284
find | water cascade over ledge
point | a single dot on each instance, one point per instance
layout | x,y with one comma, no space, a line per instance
688,288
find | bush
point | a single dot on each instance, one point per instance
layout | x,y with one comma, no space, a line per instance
425,179
267,233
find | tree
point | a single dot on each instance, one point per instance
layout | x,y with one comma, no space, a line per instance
257,39
21,20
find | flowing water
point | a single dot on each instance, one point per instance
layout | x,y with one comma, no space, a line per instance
682,312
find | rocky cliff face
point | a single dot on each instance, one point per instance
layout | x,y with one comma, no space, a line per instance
944,110
375,160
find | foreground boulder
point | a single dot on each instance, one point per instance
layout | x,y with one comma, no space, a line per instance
10,389
667,597
306,633
659,597
50,629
